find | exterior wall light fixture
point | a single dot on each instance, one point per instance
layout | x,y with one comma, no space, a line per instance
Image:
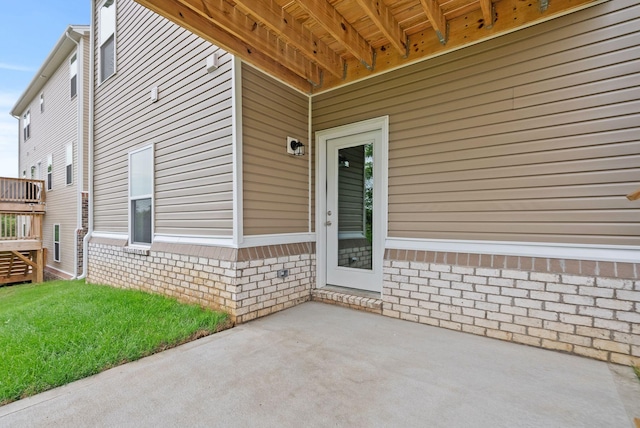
295,147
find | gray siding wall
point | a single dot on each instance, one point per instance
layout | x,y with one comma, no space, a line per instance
51,132
275,184
533,136
190,126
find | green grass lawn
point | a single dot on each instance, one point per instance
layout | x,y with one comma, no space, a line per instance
60,331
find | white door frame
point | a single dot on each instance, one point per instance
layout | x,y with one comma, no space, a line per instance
381,179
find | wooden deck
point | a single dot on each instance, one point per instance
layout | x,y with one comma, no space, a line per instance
22,209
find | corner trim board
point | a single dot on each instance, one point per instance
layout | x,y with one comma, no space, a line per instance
237,136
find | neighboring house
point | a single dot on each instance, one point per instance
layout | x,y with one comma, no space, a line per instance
481,190
53,114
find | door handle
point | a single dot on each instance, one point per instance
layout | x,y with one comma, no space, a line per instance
327,223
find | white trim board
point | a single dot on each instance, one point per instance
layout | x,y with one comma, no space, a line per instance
616,253
237,133
277,239
212,241
109,235
220,241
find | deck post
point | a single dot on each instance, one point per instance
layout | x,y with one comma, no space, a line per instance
39,273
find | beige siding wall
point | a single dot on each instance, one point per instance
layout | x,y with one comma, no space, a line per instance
51,132
533,136
190,127
276,185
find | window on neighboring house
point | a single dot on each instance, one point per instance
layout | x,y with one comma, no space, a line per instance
73,75
69,164
42,103
33,172
26,125
24,174
49,172
141,196
107,31
56,242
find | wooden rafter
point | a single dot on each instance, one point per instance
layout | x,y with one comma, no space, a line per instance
436,17
340,29
382,17
315,46
294,33
208,30
487,13
249,31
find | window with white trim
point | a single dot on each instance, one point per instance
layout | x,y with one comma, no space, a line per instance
33,172
106,35
73,75
56,242
49,172
69,164
141,196
26,125
42,102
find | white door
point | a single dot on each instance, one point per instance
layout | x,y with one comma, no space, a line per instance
354,216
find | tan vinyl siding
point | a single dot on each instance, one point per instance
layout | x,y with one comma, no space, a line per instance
275,184
533,136
190,127
51,132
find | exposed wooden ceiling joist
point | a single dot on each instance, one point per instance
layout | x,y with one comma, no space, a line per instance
340,29
205,28
315,45
381,15
247,30
434,13
487,13
293,33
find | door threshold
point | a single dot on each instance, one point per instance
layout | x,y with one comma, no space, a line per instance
362,300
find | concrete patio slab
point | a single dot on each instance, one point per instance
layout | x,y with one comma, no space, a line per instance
319,365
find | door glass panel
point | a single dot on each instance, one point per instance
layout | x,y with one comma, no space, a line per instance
355,206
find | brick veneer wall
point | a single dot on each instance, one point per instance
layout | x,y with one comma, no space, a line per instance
242,282
583,307
355,253
81,233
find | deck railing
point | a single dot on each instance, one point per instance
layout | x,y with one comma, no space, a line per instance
16,226
22,210
22,190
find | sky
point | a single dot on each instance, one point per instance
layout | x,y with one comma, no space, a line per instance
28,33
